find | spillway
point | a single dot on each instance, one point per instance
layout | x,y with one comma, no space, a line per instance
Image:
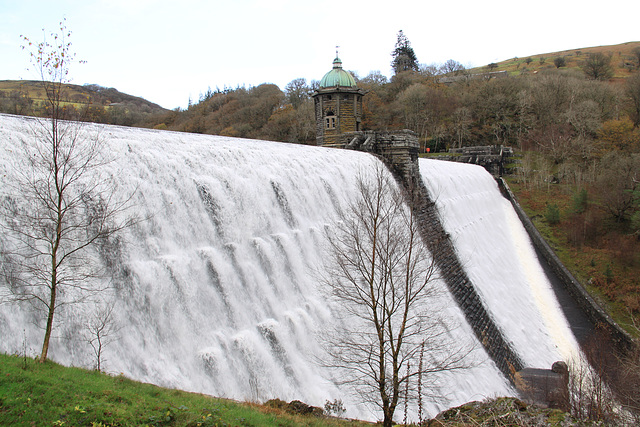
217,290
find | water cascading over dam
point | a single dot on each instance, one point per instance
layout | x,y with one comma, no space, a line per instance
218,290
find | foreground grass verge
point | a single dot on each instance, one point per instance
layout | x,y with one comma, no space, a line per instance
34,394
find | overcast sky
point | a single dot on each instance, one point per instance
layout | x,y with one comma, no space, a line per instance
170,50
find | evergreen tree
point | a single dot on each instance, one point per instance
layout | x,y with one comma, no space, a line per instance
404,58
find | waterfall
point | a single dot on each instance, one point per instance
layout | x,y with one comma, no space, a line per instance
217,291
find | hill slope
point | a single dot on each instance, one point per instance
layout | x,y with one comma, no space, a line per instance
95,103
624,60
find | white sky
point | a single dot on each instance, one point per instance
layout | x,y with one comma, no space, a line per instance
169,50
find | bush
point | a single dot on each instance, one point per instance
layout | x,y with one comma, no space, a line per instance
580,201
560,61
334,408
608,274
552,214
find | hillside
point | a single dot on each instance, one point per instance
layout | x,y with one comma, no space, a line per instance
93,102
624,60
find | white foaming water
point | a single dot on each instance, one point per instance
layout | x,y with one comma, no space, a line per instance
501,262
218,293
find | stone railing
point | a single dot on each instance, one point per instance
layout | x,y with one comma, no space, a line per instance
491,157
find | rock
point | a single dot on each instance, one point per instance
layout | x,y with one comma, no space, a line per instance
560,367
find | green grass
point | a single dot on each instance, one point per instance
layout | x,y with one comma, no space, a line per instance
52,395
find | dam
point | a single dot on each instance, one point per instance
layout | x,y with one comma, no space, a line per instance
216,291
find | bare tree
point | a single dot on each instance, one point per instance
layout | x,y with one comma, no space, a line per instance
633,91
597,66
297,92
102,330
60,203
560,62
462,121
603,383
452,67
617,182
629,386
382,275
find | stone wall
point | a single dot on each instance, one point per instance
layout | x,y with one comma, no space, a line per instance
491,157
345,104
587,304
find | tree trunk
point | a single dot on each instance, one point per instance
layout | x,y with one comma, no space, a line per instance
49,327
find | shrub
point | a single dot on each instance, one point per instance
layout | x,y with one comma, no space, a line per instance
552,214
334,408
560,61
580,201
608,274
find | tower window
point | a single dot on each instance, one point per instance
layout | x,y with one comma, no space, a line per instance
330,122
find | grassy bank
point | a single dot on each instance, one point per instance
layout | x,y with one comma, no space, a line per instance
33,394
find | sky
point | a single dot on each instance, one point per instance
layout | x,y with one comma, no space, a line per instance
169,52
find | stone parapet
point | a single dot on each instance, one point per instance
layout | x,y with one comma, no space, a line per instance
490,157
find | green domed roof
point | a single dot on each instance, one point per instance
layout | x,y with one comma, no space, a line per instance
337,76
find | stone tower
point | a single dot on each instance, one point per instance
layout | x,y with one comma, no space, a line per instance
338,105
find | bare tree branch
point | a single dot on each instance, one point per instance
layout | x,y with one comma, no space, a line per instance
382,276
60,203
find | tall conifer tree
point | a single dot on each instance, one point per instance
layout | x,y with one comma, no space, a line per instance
404,58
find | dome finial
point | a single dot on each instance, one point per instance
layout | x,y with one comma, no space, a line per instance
337,76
